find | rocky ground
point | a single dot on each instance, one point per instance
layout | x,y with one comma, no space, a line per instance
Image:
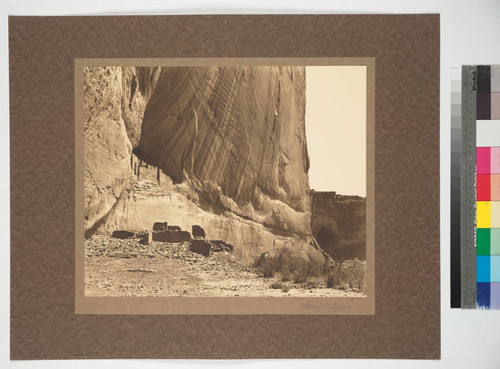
124,267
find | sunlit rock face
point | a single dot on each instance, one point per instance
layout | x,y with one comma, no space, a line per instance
222,147
339,224
114,102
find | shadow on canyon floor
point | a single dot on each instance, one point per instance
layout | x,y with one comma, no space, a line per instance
125,267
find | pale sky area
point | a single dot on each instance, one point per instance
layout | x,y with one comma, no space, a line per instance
336,128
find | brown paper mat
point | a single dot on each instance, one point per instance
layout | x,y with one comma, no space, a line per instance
42,56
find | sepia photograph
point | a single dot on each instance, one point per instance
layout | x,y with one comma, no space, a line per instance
224,186
225,181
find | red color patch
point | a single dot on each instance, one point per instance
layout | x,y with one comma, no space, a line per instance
483,187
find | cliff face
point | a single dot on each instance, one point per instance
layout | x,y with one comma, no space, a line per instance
114,104
238,128
339,224
227,143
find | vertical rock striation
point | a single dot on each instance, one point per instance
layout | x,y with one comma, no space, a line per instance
115,99
229,140
237,131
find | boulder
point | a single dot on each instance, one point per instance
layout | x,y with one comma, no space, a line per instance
172,236
263,257
197,231
160,226
174,228
123,234
201,247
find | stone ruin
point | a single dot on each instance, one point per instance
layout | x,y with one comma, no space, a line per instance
197,231
160,226
143,236
207,247
163,232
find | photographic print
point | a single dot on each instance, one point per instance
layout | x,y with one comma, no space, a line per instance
225,181
182,197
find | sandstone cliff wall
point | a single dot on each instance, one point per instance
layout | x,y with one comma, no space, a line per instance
228,145
236,132
149,203
115,99
339,224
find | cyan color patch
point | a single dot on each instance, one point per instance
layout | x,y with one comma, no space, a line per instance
495,268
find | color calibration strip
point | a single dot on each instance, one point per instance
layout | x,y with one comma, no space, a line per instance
488,187
475,187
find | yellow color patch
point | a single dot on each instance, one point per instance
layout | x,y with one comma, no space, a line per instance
483,211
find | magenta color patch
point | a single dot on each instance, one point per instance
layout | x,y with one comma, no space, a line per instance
483,160
495,159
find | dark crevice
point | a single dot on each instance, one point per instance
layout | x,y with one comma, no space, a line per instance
133,87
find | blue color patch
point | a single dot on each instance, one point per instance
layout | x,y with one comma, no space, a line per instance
483,268
483,295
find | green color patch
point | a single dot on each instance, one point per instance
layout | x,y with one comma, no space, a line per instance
483,241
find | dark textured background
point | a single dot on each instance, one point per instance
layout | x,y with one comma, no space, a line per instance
406,323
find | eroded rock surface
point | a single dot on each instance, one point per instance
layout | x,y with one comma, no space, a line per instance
339,224
114,103
220,147
238,135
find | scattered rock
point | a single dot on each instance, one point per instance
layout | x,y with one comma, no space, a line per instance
141,270
197,231
123,234
171,236
160,226
200,246
122,255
